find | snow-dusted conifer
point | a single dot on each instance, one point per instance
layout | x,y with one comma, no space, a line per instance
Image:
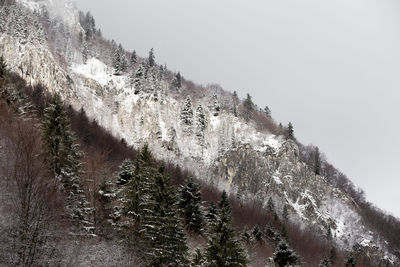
224,248
201,125
63,158
290,131
212,213
125,173
267,111
258,235
284,256
186,116
151,59
177,81
215,105
139,79
133,59
324,262
85,53
190,205
317,162
160,224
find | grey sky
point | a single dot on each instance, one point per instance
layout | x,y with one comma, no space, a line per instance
332,68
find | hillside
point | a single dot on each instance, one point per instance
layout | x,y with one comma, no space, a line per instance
119,103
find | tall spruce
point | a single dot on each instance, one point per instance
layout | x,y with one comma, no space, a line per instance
177,81
160,224
125,173
224,247
186,115
290,131
211,214
324,262
3,67
284,256
152,202
133,59
64,160
317,162
138,79
151,59
190,205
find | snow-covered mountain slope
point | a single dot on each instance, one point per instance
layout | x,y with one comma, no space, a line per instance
220,148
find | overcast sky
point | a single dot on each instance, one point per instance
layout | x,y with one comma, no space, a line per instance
332,68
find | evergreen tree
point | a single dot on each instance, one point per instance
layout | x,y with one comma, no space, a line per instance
125,173
317,162
3,67
324,262
350,261
151,60
284,256
85,53
212,213
224,248
119,60
267,111
160,224
201,125
177,81
198,258
133,59
187,114
271,206
258,235
285,213
290,131
235,99
190,205
138,80
216,107
63,158
249,107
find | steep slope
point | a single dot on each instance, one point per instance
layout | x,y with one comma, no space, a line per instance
229,151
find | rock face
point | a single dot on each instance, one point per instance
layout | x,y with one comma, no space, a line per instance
229,151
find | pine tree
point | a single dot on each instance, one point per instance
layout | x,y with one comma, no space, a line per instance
324,262
198,258
85,53
284,256
133,59
138,80
190,205
160,224
119,60
177,81
271,206
235,99
212,213
63,158
285,213
317,162
290,131
249,107
3,67
350,261
258,235
224,248
151,60
125,173
267,111
215,105
200,125
187,114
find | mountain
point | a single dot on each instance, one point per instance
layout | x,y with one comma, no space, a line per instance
227,143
